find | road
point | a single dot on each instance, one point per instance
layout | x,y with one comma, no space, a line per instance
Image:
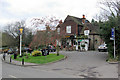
84,64
12,71
77,65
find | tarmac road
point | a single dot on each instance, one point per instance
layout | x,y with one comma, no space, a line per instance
84,64
13,71
77,65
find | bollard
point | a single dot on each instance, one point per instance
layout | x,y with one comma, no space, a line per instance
4,56
22,61
10,59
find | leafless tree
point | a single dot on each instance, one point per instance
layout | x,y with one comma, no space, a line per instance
108,8
47,36
50,21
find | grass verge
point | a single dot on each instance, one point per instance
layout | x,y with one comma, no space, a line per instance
40,59
112,59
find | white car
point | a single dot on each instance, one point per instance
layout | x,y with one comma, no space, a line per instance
102,48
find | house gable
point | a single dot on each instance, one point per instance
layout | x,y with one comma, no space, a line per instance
74,22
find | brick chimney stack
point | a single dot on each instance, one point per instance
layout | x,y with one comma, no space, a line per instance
48,28
83,16
60,22
83,19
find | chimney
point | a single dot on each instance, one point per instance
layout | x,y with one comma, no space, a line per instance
60,22
48,28
83,19
83,16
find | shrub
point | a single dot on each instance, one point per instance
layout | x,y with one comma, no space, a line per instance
79,47
36,53
83,45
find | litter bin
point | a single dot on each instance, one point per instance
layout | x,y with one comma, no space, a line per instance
43,52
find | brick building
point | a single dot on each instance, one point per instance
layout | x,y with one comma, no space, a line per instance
74,26
70,33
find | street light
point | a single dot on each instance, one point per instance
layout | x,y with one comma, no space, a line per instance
21,29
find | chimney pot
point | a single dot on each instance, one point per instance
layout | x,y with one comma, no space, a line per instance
60,22
83,16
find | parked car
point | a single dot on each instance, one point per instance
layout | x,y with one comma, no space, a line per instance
29,50
10,51
5,50
51,48
24,49
102,48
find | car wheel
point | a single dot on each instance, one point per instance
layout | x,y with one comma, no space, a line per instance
99,50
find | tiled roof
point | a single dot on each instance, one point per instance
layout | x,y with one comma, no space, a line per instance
76,19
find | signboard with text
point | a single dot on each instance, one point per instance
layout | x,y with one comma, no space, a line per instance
112,34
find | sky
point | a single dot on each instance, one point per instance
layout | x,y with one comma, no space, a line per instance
16,10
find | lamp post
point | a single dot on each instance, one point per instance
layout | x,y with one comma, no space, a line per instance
21,32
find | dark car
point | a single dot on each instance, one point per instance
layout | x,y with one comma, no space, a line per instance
24,49
51,48
29,50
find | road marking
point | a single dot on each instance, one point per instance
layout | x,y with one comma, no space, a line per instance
12,76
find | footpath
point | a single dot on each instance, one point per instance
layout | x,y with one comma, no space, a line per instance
14,62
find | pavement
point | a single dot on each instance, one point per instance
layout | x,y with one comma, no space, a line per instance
0,67
12,71
14,62
80,64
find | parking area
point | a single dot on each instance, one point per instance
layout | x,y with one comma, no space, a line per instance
83,64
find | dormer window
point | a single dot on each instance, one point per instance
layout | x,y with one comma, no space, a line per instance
68,29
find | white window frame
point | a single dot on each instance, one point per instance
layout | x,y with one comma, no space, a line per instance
58,30
86,32
68,29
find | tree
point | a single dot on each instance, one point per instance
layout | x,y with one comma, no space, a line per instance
113,19
48,35
7,40
12,29
46,22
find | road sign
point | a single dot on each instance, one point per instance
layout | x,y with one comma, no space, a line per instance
112,33
113,38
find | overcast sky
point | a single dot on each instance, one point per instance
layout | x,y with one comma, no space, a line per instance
13,10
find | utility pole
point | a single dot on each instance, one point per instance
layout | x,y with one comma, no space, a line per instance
113,38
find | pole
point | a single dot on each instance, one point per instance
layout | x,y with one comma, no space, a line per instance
10,59
20,44
23,61
114,43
